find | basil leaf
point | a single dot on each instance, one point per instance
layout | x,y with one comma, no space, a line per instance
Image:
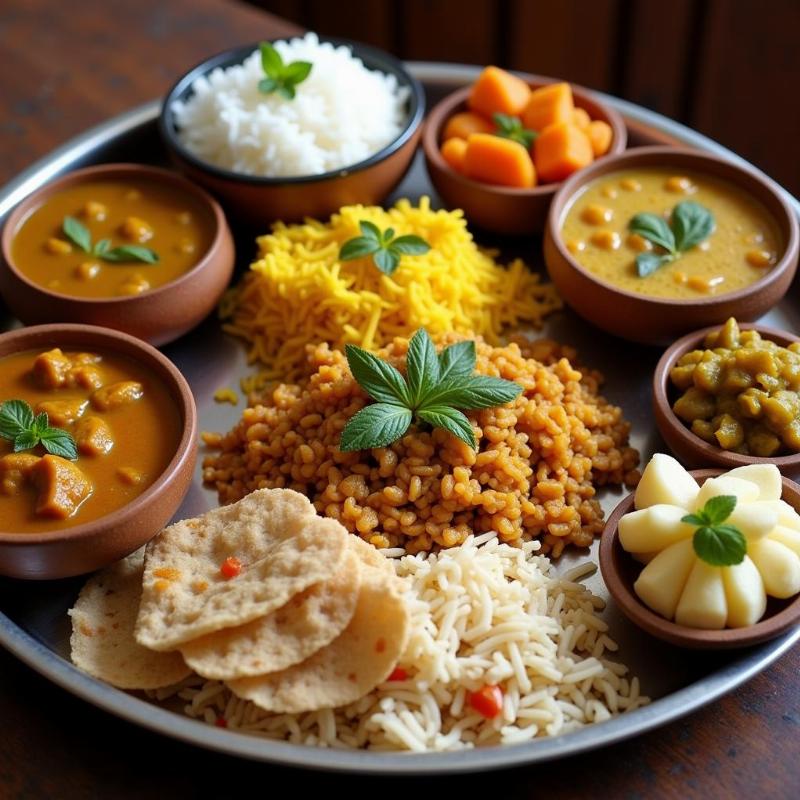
16,416
357,248
410,245
457,360
377,425
388,235
77,233
480,391
286,90
26,440
102,247
691,223
718,509
648,263
379,379
720,545
267,85
386,261
370,230
40,423
59,443
451,420
422,366
696,519
653,228
297,71
130,252
271,61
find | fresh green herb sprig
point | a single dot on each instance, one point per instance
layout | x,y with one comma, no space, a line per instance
19,425
385,248
433,391
689,224
79,235
509,127
281,78
717,544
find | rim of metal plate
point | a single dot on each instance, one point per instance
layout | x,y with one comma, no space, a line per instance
39,657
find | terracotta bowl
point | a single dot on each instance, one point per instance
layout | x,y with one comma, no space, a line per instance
689,448
620,571
257,201
83,548
500,209
158,315
654,320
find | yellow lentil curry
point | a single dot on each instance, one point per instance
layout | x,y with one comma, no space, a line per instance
745,244
533,474
123,420
741,392
142,212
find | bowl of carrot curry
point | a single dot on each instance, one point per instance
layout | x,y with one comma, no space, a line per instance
501,147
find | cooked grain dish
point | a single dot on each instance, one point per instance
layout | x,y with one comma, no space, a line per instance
532,476
483,616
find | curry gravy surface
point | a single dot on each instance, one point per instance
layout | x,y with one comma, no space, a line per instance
745,232
176,226
145,434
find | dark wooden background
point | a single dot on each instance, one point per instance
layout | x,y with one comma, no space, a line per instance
728,68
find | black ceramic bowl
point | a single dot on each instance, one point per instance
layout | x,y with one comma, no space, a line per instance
258,200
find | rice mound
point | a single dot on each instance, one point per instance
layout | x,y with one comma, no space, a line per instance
342,114
298,291
533,475
484,613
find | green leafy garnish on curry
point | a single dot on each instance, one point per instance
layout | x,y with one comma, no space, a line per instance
79,235
432,391
18,424
689,225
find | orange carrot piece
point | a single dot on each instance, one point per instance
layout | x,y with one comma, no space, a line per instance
560,150
492,159
454,151
547,106
599,134
498,91
581,118
464,123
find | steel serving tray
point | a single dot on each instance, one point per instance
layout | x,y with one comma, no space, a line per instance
33,618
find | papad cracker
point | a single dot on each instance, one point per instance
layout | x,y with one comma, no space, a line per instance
309,621
102,641
349,667
282,545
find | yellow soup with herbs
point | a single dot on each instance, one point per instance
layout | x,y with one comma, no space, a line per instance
111,238
742,241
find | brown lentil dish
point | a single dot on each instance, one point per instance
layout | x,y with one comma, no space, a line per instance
740,392
533,474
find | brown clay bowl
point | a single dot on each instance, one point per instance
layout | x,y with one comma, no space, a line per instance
159,315
653,320
501,209
689,448
83,548
256,201
620,571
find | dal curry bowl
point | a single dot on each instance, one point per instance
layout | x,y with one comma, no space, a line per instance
737,262
126,246
108,457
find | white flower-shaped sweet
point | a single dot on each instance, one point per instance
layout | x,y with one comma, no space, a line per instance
683,579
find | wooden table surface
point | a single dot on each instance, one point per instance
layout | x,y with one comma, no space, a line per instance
67,66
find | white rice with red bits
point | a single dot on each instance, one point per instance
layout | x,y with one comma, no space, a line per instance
342,113
484,613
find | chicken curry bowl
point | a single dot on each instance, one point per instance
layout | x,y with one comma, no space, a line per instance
82,433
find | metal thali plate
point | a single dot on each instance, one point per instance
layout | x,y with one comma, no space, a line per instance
33,618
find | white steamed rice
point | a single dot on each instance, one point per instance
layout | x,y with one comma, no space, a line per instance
482,613
342,113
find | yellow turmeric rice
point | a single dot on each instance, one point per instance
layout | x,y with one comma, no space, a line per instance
298,291
533,474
